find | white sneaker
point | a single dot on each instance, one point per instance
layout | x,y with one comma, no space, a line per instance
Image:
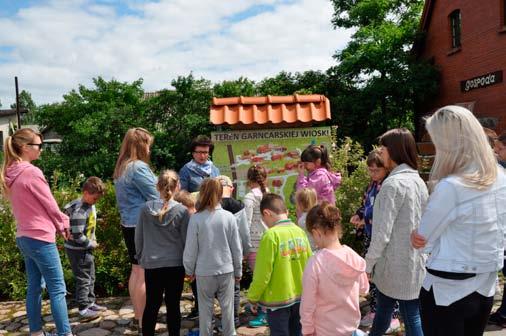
367,320
395,325
88,313
97,308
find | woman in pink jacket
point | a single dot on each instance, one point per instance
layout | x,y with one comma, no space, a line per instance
38,219
333,279
315,160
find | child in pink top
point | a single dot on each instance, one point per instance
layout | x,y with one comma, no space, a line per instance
315,160
333,279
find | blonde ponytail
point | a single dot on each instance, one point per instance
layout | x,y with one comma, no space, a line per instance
166,185
12,152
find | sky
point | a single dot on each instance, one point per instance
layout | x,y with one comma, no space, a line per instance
53,46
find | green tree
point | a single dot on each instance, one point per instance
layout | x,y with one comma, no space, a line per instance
179,115
26,101
380,80
92,123
235,88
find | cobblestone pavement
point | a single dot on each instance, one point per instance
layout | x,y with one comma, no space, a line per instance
118,320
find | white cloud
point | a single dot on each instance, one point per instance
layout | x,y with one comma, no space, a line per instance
55,46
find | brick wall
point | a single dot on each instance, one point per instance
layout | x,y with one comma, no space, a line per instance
483,51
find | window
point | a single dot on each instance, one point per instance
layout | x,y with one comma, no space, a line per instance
455,27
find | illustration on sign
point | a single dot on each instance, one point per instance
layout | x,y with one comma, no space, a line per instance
278,150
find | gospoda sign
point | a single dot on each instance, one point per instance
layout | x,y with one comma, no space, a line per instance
481,81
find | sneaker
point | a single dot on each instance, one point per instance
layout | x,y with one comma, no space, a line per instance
395,325
259,321
497,319
367,320
194,314
97,308
88,314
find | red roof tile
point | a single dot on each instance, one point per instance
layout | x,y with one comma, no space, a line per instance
270,109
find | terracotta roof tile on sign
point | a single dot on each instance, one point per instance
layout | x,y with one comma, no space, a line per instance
270,109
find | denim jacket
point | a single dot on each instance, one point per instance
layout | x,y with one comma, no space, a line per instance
464,227
192,174
134,188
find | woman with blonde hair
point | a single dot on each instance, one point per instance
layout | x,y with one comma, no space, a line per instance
135,184
38,220
213,254
160,237
462,227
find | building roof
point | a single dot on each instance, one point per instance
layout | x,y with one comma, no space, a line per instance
269,110
9,112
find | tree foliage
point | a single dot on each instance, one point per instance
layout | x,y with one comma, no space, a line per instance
380,79
92,123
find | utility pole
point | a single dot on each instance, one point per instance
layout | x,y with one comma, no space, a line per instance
17,102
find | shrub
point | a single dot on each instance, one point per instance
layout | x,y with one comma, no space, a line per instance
111,257
348,158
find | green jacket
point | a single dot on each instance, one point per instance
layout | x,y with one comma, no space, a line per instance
281,257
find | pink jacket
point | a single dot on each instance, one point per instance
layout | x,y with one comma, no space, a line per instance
332,283
324,182
34,207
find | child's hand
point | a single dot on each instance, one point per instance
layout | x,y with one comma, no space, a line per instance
191,278
66,234
237,279
300,168
418,241
94,244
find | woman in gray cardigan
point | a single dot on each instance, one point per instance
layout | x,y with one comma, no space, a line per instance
396,268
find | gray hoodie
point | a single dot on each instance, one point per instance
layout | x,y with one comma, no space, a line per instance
213,245
161,243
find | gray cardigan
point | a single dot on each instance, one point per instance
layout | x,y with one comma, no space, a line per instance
213,245
397,268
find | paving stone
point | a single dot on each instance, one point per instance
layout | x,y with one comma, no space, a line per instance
2,331
107,313
245,331
13,326
48,318
25,329
123,322
160,327
112,317
128,316
126,310
19,313
94,332
107,324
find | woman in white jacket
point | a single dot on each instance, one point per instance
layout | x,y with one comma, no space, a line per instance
462,228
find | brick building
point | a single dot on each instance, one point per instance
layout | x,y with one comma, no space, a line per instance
466,40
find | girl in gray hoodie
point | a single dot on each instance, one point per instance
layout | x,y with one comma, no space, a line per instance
160,238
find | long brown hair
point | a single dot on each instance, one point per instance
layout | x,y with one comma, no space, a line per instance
209,194
401,146
13,150
134,147
258,174
166,185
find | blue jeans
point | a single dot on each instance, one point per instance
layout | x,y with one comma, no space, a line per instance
42,262
410,312
285,321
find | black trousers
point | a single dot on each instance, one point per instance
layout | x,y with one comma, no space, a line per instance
465,317
160,281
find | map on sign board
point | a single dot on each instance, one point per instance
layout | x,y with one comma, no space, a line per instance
278,150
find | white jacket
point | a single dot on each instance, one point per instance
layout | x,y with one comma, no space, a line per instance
465,227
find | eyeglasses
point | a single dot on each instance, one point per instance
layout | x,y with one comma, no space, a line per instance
201,152
38,145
